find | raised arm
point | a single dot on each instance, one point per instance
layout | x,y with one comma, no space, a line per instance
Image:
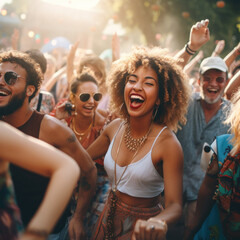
232,86
115,47
49,162
56,76
199,35
232,55
70,62
190,66
218,49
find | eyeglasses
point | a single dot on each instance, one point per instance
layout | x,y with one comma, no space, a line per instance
218,79
84,97
10,78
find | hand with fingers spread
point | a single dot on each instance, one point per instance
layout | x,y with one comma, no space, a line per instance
152,229
199,35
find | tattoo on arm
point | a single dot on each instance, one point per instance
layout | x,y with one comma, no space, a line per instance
71,139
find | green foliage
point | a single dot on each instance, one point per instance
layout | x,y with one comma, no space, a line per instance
174,18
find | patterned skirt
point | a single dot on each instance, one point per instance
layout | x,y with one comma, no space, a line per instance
124,219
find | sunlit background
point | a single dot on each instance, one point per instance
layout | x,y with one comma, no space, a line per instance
45,24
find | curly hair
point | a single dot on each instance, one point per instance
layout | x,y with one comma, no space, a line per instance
174,88
234,120
33,70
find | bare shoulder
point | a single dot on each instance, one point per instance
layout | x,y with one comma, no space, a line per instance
167,145
112,128
53,131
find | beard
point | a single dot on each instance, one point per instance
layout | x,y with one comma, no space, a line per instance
211,101
15,103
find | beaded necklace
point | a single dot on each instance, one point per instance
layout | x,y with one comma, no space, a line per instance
109,234
131,143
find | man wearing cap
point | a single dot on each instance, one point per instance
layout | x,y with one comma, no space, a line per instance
205,117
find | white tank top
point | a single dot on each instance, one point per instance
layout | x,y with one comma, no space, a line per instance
140,179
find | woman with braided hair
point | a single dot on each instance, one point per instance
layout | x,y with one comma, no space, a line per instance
143,156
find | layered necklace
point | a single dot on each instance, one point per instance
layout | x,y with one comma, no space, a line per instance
109,234
131,143
80,134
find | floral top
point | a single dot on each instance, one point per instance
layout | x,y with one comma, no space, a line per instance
10,220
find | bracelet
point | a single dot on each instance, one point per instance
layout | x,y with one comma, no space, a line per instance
37,232
189,50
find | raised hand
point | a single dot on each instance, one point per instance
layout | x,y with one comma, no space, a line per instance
199,35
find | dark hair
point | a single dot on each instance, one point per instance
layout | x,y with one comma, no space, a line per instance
39,58
86,76
34,74
174,90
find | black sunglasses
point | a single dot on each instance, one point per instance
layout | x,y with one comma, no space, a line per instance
84,97
10,78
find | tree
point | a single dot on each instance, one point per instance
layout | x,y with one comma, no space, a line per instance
170,21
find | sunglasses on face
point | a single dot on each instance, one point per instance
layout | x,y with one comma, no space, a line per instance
218,79
10,78
84,97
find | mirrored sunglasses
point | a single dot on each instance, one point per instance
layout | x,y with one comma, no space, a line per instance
84,97
10,77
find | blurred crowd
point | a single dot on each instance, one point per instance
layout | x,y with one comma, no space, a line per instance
127,146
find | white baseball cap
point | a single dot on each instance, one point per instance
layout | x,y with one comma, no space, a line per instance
213,63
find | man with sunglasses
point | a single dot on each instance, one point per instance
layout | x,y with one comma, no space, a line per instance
205,117
20,79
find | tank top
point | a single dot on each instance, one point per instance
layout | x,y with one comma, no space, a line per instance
30,187
141,178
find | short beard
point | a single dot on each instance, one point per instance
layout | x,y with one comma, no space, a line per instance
211,101
15,103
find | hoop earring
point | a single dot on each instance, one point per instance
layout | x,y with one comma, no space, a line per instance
155,114
121,108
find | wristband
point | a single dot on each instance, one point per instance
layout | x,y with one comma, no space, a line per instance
189,50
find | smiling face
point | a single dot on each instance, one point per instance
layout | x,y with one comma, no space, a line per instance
12,96
141,92
86,109
212,84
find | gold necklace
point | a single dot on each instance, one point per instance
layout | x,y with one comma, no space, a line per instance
109,233
82,133
136,151
131,143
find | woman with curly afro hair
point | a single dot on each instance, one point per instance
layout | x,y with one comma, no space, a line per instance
143,156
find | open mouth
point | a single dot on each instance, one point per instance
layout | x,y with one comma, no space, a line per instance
88,108
136,101
3,93
212,91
